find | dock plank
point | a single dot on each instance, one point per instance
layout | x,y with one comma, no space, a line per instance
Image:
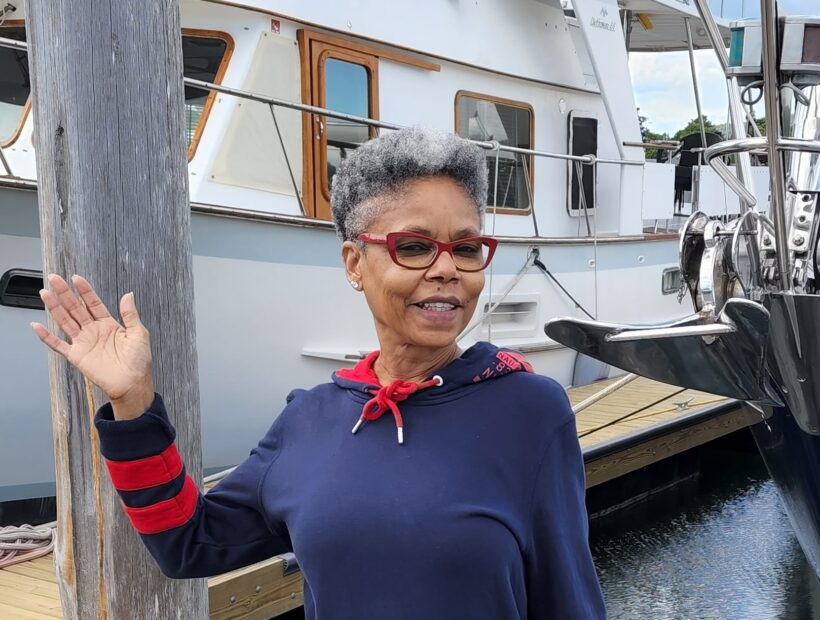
32,603
34,572
13,612
257,592
22,582
656,449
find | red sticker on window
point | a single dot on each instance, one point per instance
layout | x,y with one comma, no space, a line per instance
275,26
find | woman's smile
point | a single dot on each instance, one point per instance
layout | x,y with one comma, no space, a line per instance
438,310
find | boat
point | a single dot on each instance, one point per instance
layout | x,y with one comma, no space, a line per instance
277,93
752,277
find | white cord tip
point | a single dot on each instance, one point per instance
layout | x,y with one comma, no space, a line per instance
357,426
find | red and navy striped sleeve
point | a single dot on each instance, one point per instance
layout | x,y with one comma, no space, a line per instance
189,534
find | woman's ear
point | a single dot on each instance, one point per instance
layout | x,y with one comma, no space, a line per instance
352,257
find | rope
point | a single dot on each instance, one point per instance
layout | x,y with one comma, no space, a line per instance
652,414
25,542
610,389
630,414
700,404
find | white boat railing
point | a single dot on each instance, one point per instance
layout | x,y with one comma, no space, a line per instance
491,145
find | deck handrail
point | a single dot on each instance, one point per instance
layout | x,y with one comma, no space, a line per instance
656,145
759,146
14,44
490,145
712,155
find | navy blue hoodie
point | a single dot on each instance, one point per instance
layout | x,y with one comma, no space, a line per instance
478,514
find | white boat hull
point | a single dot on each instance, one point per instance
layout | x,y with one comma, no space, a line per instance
286,283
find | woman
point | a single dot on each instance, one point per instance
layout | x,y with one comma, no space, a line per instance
476,510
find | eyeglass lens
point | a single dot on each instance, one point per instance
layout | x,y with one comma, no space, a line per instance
417,253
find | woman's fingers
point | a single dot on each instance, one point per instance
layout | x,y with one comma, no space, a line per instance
72,315
92,302
63,319
69,300
128,312
50,340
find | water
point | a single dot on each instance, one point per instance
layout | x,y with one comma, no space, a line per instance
721,548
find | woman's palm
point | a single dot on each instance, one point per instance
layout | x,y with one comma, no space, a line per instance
117,358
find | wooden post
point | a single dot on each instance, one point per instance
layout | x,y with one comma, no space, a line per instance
113,195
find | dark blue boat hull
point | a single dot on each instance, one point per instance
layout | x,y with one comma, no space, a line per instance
793,459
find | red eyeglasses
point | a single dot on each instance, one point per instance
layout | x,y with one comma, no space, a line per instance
415,251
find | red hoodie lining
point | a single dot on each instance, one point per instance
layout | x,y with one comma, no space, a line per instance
363,371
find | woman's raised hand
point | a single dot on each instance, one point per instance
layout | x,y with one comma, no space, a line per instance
117,358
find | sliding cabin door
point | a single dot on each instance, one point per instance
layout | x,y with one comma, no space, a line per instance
342,79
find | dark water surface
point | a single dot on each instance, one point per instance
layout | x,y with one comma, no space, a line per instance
721,548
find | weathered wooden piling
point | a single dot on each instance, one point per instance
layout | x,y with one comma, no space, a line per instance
113,197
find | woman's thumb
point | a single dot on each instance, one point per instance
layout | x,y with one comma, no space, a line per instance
128,311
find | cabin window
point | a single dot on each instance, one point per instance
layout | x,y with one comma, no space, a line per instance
205,57
347,88
485,118
345,82
342,76
582,135
15,86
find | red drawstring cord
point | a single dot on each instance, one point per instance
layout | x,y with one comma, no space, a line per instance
387,397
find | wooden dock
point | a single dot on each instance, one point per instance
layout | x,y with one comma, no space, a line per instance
641,423
646,421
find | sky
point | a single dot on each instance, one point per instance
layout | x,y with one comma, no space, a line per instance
663,81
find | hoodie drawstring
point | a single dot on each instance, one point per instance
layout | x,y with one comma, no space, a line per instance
388,397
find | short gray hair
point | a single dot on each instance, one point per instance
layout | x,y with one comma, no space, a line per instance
382,166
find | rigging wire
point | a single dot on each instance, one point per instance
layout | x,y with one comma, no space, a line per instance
287,160
491,307
495,215
537,263
595,243
593,231
526,168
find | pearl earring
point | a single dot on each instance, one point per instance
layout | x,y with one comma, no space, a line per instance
354,285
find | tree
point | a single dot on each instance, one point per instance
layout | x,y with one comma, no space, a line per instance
694,127
647,135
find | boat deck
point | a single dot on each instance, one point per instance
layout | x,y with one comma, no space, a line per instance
637,425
